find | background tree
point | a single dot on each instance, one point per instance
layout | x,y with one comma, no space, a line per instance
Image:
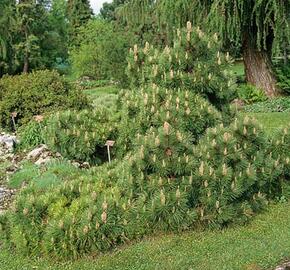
102,51
108,11
256,24
79,12
6,23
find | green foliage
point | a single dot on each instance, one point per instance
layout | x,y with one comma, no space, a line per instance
31,135
42,178
231,18
79,13
33,35
250,94
89,84
165,184
232,243
189,113
194,63
108,11
235,175
271,105
35,94
283,76
81,135
279,149
102,52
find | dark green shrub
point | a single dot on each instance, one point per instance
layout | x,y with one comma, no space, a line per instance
250,94
273,105
35,94
283,76
81,135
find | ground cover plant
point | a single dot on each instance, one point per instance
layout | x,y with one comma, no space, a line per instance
273,105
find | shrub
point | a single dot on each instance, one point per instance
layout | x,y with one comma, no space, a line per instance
102,52
31,134
279,150
273,105
165,184
283,76
235,175
189,113
250,94
195,63
81,135
35,94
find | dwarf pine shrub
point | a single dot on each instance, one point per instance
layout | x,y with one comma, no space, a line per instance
166,184
279,150
150,108
81,135
195,63
230,180
181,168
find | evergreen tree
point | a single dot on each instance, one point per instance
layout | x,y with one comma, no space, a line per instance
7,20
79,12
256,24
108,11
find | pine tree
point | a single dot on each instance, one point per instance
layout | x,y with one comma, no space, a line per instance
254,24
195,62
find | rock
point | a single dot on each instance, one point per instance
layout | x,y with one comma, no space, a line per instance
284,266
43,161
37,152
76,164
8,142
42,155
85,165
238,103
6,197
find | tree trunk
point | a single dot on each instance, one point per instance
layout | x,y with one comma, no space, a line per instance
285,54
26,64
258,66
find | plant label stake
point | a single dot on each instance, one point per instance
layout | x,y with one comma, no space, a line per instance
108,144
13,116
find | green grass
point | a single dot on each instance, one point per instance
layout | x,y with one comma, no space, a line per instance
101,91
238,68
259,245
272,121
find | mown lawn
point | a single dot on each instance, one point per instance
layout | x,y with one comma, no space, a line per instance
101,91
272,121
238,68
261,244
